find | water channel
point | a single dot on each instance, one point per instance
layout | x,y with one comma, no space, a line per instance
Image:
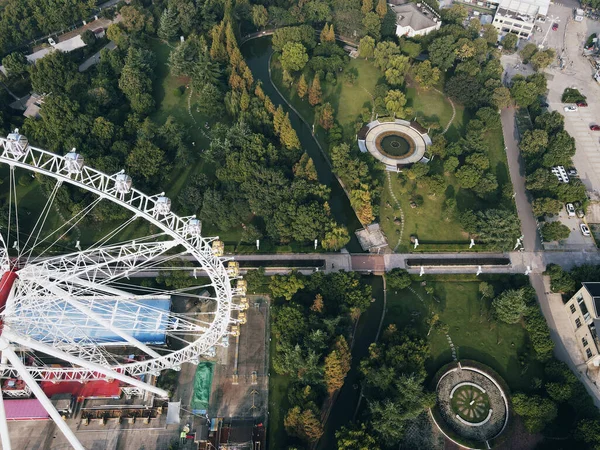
257,53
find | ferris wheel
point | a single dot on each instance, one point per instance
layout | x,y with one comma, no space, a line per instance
72,310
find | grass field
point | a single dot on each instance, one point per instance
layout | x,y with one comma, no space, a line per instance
471,327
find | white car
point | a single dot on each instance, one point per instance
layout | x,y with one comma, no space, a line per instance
570,108
584,229
51,41
570,209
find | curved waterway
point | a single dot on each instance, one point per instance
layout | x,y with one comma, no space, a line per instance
257,53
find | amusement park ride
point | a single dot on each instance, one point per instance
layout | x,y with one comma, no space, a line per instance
72,316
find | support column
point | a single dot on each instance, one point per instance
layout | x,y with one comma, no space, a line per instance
4,437
40,395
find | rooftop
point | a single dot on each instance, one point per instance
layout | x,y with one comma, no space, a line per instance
526,10
417,18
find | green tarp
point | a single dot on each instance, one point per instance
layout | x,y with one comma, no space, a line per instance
202,386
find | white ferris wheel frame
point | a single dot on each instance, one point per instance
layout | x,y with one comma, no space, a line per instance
60,167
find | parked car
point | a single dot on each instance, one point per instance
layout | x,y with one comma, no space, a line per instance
572,172
595,127
580,213
570,209
554,26
51,41
570,108
584,229
582,104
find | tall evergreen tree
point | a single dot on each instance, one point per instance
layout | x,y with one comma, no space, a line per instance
168,26
302,87
315,93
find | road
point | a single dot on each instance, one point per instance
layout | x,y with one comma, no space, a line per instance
550,304
95,58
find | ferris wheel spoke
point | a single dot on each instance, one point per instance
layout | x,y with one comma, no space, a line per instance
71,224
41,220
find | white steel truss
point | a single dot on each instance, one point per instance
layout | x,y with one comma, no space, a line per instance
83,278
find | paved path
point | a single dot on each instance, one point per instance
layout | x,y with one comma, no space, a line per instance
95,58
516,165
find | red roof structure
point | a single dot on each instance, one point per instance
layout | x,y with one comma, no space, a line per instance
90,389
25,409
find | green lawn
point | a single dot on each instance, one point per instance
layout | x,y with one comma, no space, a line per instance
474,332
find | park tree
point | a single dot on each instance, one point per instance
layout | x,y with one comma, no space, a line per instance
381,8
497,227
116,34
260,16
398,279
457,13
218,50
327,34
366,7
168,26
486,289
479,160
146,160
427,75
303,424
293,57
318,304
501,97
396,69
366,47
555,231
438,146
536,411
450,164
337,365
285,286
441,52
88,37
372,25
135,80
527,52
361,201
136,19
326,119
510,305
523,93
355,438
315,93
394,102
533,142
510,42
305,168
546,206
588,431
336,238
54,73
490,33
287,134
543,59
468,176
302,87
15,64
410,49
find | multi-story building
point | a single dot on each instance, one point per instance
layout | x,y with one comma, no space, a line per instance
584,313
518,16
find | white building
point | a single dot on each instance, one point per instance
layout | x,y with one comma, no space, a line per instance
583,310
415,19
518,16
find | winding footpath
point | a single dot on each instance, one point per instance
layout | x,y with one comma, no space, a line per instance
453,111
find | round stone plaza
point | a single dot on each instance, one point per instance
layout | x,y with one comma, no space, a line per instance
471,404
395,144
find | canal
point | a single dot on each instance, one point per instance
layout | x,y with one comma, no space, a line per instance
257,53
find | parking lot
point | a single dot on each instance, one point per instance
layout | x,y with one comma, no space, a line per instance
576,240
578,73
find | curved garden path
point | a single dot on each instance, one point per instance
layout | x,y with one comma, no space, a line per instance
453,111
